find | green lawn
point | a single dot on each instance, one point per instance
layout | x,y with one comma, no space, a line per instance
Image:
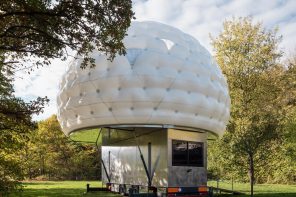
61,188
261,190
78,188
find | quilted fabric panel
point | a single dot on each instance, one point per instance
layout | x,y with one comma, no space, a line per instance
166,78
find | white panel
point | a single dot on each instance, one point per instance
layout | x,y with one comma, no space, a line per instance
166,78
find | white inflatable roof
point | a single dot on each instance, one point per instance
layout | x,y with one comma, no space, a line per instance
166,79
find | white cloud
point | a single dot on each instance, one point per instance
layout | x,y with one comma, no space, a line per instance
41,82
196,17
200,18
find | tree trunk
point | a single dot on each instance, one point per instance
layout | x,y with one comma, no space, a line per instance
251,173
43,166
30,173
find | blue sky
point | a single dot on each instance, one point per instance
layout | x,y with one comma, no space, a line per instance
196,17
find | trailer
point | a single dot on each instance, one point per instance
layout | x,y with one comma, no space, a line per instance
154,107
161,160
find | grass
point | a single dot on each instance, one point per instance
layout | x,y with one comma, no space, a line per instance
260,190
61,188
78,188
86,136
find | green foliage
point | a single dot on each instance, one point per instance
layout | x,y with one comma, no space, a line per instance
262,129
15,125
249,57
51,155
32,32
284,165
48,28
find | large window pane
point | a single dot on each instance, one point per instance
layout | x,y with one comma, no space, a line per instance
195,153
180,153
186,153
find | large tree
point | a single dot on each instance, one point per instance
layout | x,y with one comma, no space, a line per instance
15,124
48,28
51,155
279,166
32,32
248,55
285,166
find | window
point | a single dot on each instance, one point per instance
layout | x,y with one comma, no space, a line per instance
187,153
180,155
195,154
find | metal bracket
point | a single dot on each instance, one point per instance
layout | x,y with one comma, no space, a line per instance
108,177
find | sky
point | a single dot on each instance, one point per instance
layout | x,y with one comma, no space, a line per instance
198,18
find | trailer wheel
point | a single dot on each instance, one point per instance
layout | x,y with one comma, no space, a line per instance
134,189
122,189
137,189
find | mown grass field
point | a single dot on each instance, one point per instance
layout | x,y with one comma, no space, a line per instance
78,188
261,190
61,188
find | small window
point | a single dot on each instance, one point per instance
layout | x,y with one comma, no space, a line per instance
195,154
186,153
179,153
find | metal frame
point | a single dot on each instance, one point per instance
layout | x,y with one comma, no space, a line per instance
165,126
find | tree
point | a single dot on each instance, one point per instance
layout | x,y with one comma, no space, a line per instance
285,166
51,155
47,28
15,124
248,55
32,32
278,167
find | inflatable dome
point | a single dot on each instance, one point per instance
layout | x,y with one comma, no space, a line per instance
166,79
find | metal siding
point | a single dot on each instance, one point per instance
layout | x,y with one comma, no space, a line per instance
126,166
178,175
